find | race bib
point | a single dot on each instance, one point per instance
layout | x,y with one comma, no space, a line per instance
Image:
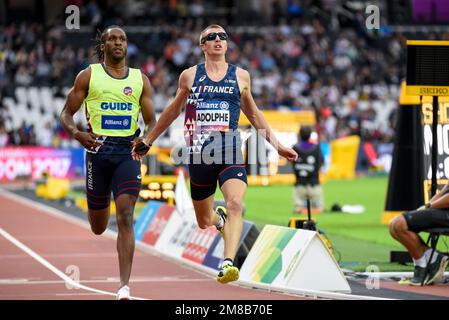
213,116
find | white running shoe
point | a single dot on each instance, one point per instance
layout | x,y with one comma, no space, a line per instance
223,214
123,293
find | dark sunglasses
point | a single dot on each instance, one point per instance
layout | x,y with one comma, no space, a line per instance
213,35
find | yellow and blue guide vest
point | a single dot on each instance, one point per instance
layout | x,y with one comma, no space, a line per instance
113,104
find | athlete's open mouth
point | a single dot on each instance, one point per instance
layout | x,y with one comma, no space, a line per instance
218,46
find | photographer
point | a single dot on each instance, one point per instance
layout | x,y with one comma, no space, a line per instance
307,169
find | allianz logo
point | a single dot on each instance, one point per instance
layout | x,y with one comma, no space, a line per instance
213,105
124,122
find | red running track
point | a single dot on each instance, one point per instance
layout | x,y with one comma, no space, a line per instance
72,246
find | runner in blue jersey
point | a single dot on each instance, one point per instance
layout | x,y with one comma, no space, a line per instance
213,94
113,96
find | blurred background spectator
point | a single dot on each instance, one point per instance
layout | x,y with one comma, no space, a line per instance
302,55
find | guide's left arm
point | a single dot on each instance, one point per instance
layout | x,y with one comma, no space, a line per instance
256,118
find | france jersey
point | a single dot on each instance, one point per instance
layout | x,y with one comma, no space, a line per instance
212,113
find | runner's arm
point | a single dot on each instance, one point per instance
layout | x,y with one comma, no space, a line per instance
172,111
73,103
257,119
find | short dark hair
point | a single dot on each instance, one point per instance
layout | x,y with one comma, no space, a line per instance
305,132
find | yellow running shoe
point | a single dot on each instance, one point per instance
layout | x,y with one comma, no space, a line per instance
221,211
228,273
405,281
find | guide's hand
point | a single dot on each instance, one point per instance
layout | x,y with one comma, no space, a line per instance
89,140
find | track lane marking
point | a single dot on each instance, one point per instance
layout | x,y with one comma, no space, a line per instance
193,266
52,268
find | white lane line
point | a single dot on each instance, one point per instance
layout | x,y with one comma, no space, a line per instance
60,256
67,255
77,294
52,268
19,281
383,275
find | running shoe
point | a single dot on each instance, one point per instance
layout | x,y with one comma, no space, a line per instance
436,269
123,293
221,211
228,273
418,276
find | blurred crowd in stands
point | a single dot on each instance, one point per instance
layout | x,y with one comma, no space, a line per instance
299,59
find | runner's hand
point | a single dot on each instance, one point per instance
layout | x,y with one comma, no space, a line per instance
288,153
89,140
139,148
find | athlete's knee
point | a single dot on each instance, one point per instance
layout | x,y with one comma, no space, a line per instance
203,225
125,218
204,218
204,222
234,206
398,225
98,228
98,221
392,226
